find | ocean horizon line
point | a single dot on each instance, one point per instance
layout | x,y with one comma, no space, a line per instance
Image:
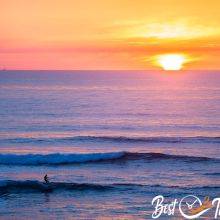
154,70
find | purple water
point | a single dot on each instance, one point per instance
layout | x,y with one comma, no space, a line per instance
109,140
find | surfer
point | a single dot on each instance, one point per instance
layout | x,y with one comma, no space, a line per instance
46,179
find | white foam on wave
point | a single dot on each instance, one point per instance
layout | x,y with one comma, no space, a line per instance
36,159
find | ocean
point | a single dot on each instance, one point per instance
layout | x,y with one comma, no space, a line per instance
109,141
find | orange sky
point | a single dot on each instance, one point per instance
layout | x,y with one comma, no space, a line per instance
108,34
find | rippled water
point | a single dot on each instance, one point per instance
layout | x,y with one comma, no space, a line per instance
109,141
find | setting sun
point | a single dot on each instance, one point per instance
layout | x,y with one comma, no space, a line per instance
171,61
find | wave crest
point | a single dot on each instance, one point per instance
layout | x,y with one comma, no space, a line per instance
58,159
7,186
55,159
116,139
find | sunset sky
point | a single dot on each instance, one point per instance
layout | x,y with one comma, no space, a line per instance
104,34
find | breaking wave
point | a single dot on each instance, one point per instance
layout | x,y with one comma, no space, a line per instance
59,159
7,186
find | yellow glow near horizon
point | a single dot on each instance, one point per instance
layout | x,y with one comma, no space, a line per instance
171,61
109,34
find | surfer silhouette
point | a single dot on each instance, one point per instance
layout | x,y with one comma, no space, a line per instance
46,179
